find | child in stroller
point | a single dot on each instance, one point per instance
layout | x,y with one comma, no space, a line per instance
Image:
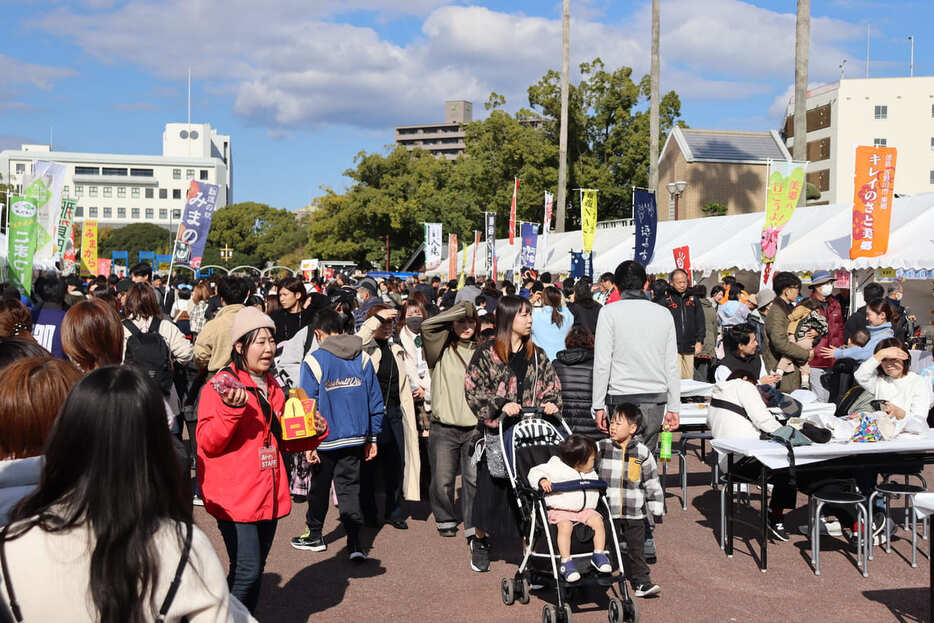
576,460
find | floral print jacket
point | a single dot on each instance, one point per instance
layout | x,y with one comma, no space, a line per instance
490,383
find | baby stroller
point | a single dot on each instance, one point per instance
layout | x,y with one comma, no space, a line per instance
526,441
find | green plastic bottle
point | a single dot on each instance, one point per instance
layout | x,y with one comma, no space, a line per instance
664,449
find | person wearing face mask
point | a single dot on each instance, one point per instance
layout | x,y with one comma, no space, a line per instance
410,338
821,291
367,297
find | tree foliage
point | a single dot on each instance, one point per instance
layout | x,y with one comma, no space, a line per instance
393,194
714,208
257,233
132,238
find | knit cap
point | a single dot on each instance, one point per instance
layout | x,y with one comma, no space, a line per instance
246,320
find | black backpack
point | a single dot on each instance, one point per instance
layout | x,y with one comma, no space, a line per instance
149,352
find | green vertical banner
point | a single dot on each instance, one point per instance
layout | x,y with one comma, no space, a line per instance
22,241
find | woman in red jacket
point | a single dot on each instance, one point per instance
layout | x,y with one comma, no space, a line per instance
240,469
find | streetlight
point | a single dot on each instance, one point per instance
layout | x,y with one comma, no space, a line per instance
675,189
226,254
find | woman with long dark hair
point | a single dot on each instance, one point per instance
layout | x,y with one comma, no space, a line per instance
450,340
94,543
551,322
505,375
585,309
292,315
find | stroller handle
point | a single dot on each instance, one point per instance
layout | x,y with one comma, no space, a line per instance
578,485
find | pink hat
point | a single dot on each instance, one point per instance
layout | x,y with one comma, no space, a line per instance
246,320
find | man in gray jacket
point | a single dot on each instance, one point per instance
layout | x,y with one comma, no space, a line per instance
636,357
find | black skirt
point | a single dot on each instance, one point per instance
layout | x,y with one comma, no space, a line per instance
494,507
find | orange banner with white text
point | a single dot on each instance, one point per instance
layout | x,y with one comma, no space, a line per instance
874,189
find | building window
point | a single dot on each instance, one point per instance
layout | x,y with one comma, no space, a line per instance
176,193
92,212
114,171
141,173
189,174
121,212
878,142
79,211
163,193
134,192
176,174
108,191
932,143
149,213
108,212
204,175
121,192
932,111
134,213
149,193
163,214
20,167
87,171
176,215
881,112
79,190
92,191
932,177
65,190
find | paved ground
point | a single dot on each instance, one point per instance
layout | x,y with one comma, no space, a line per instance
415,575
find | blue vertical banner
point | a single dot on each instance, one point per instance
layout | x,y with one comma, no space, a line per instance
581,264
529,232
195,225
645,213
148,255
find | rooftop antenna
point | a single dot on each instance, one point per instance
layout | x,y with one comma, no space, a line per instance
867,50
911,59
843,69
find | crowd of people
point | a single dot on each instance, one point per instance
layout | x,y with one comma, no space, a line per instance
181,385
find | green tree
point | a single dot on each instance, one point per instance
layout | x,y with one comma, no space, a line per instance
714,208
256,232
132,238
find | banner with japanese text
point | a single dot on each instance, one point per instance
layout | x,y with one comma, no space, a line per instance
473,261
542,255
581,264
21,241
491,244
785,185
89,248
65,235
873,192
683,260
512,213
103,266
588,218
645,213
193,231
45,185
432,246
452,256
529,233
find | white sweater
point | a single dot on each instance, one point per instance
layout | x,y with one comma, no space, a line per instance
557,470
725,424
50,576
911,392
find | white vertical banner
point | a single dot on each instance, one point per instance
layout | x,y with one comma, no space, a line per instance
432,246
45,186
541,255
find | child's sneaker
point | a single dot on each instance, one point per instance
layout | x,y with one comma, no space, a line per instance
644,590
569,572
601,562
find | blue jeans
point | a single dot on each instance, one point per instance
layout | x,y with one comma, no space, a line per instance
247,545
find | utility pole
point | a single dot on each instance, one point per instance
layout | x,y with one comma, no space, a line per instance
802,39
563,138
654,103
911,59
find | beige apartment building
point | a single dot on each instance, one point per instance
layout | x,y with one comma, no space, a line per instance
888,112
722,166
441,139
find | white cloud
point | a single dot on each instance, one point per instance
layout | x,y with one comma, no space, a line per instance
15,71
301,66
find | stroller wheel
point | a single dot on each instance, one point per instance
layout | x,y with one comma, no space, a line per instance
523,591
622,611
508,590
549,614
567,612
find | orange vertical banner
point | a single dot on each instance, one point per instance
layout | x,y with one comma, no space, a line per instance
89,248
452,256
873,196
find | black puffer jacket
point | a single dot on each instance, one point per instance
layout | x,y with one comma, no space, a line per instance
689,319
586,316
574,368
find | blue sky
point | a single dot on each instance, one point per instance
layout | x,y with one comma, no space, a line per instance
303,85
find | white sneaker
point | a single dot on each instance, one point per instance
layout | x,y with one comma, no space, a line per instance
827,528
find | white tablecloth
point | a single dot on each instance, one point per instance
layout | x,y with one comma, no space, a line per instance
693,414
775,456
924,504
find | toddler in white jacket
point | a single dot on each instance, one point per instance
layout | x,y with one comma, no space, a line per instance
575,462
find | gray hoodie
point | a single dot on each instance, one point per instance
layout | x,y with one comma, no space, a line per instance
636,353
18,478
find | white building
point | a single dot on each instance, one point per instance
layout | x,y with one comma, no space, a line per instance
118,189
893,112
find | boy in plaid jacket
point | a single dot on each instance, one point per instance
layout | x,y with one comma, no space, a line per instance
629,469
